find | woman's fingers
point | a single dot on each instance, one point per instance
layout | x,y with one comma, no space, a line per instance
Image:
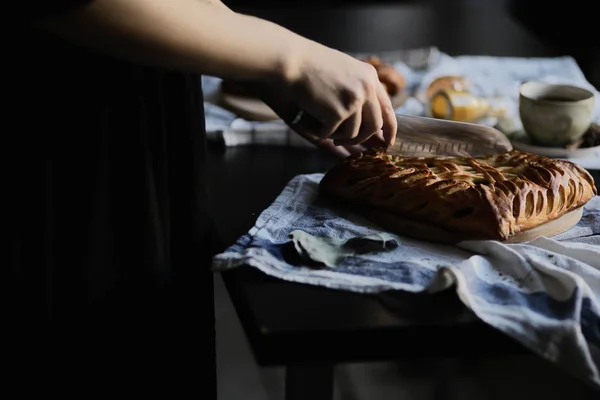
337,97
388,115
376,140
349,109
337,151
348,130
371,123
373,116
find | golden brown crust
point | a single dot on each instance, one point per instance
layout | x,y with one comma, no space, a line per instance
492,197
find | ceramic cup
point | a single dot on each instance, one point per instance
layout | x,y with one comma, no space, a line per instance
553,114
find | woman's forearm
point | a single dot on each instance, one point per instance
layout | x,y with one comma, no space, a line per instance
217,3
192,35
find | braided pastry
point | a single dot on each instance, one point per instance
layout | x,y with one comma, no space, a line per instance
491,197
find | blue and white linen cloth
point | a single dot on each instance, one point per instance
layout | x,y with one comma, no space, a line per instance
544,293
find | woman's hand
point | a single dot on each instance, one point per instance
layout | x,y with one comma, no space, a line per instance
340,96
343,107
287,108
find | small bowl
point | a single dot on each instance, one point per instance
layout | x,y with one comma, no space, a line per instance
555,115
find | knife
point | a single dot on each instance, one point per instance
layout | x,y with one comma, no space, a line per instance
423,136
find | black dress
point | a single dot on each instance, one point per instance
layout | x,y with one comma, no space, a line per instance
108,220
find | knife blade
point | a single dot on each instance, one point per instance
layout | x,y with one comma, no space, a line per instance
424,136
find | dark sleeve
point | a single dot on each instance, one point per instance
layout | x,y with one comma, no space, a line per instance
27,11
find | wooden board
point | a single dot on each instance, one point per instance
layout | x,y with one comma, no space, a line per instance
430,233
549,229
253,109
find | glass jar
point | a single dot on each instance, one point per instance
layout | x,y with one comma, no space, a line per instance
464,106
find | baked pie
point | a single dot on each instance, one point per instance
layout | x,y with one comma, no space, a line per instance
453,199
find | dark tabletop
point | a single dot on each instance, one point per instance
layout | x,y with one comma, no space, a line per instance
287,322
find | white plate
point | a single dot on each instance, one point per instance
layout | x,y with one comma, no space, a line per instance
522,143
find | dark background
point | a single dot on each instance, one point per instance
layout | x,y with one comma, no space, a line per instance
572,27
